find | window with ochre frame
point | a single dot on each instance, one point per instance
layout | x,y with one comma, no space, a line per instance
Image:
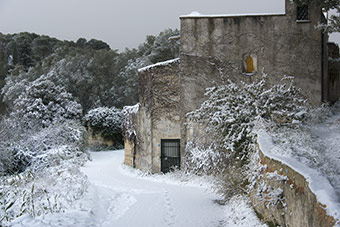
250,64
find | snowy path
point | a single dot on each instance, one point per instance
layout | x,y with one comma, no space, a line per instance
119,196
147,201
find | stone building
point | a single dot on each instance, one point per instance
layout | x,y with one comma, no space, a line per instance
215,48
155,125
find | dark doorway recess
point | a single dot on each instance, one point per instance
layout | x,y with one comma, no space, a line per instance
170,154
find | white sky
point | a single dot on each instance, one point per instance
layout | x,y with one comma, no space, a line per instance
120,23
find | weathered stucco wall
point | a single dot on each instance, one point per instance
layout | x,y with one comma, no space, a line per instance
282,196
143,159
158,115
213,50
134,143
129,153
215,47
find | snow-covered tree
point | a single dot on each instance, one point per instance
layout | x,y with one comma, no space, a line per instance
45,103
164,48
129,81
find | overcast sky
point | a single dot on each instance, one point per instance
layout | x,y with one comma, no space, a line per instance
120,23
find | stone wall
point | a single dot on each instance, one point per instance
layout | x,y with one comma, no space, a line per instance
144,134
96,140
334,72
215,49
282,196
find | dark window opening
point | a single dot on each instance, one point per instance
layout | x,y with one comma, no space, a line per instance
302,13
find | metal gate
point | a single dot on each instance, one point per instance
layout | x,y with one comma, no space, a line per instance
170,154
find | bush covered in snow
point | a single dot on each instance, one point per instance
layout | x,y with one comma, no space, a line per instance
230,113
42,146
43,117
38,149
37,193
108,119
39,168
207,160
107,122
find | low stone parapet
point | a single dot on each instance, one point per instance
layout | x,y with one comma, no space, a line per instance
282,196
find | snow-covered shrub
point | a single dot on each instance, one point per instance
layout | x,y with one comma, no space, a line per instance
200,159
107,122
108,119
41,148
40,168
14,86
230,112
38,149
52,146
239,212
37,193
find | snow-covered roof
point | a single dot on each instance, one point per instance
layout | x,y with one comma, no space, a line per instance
164,63
196,14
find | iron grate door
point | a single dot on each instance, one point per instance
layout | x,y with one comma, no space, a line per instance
170,154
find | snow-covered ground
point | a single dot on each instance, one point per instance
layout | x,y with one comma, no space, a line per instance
121,196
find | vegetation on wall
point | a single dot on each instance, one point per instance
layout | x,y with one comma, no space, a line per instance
230,114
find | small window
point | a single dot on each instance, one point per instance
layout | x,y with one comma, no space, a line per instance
302,13
250,64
